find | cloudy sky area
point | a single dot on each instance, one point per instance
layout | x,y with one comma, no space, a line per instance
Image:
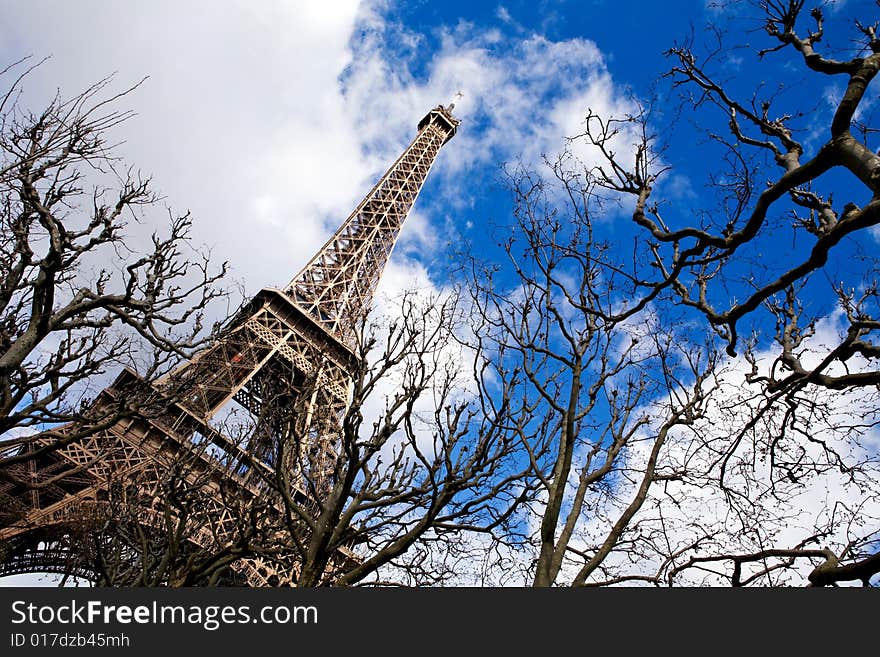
270,120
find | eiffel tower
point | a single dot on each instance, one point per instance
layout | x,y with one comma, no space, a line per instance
303,333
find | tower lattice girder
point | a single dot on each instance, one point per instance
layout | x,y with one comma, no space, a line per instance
337,285
301,336
312,322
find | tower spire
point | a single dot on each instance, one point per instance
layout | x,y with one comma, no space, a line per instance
337,285
451,105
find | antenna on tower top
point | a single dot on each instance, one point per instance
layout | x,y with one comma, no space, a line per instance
451,106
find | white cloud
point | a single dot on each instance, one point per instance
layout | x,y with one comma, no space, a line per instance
521,96
241,119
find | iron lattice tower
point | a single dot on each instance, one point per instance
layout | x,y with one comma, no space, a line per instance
281,341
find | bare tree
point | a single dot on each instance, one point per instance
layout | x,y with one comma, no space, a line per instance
78,297
785,174
419,458
695,260
598,387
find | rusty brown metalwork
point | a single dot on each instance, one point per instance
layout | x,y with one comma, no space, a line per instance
305,331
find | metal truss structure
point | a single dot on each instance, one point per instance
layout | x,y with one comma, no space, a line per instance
297,343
